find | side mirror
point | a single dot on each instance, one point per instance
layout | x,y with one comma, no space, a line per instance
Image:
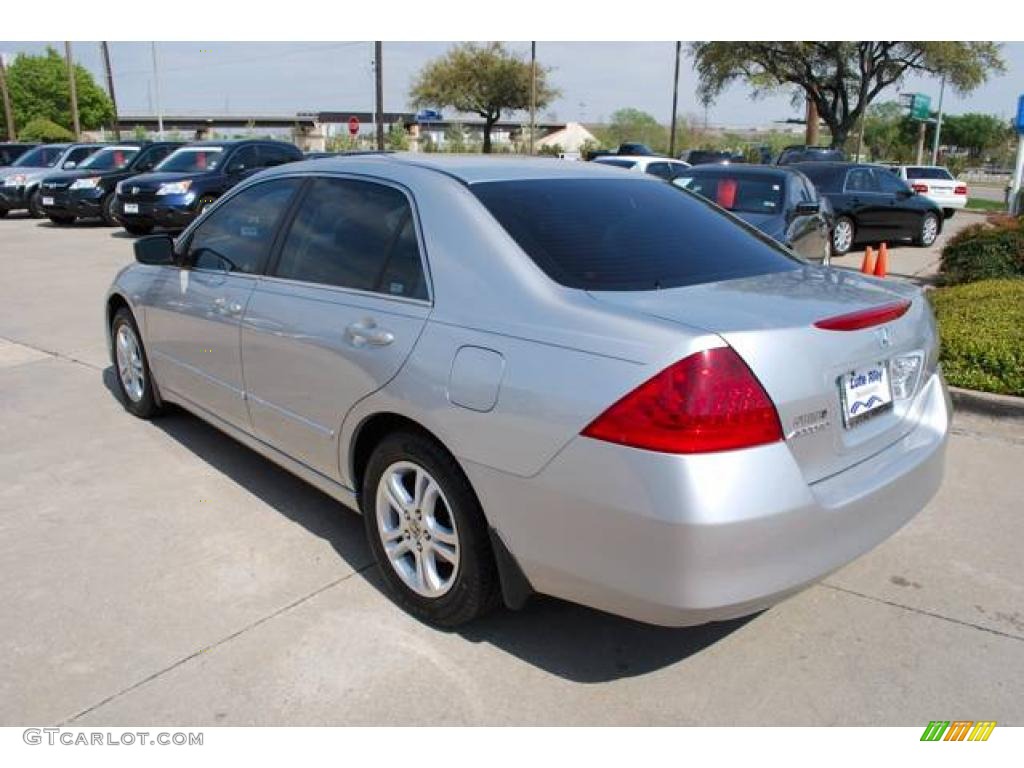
903,194
69,165
807,208
156,250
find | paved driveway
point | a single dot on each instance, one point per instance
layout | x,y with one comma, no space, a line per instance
161,573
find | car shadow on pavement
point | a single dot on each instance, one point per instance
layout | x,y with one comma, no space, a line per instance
571,641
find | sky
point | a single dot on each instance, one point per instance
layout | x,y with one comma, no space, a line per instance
595,79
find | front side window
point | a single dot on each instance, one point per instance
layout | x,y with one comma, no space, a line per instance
608,234
78,154
40,157
192,160
237,236
354,234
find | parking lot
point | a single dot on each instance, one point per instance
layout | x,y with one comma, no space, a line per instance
161,573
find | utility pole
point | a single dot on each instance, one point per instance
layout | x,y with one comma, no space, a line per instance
920,141
938,124
8,113
378,72
675,103
105,50
533,92
74,91
156,87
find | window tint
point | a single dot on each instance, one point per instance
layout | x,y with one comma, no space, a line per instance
150,157
929,173
40,157
861,180
889,183
626,234
79,154
661,170
827,178
245,158
743,193
237,236
354,234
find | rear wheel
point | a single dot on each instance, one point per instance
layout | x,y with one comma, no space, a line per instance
842,236
427,531
929,230
62,220
35,206
107,210
133,376
138,229
3,212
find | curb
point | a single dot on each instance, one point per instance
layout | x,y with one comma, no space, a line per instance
987,404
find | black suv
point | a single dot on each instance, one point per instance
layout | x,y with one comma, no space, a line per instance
191,179
88,190
11,152
802,153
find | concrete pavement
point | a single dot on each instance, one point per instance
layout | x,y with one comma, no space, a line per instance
161,573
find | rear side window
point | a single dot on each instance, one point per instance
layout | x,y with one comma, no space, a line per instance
625,234
354,234
273,154
861,180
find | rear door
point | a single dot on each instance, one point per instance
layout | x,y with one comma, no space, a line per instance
336,317
869,206
194,311
904,215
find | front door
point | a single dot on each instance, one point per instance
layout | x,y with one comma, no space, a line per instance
335,318
194,312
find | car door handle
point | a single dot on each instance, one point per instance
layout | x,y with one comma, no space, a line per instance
227,308
366,333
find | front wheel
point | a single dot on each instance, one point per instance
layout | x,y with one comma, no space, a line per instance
108,210
842,236
133,376
35,206
929,231
428,532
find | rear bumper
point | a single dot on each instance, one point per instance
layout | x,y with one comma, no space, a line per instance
678,541
954,202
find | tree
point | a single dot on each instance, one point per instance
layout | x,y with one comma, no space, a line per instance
484,80
841,78
976,132
39,89
634,125
42,130
397,139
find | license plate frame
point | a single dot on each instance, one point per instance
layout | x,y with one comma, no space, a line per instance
47,201
131,207
865,392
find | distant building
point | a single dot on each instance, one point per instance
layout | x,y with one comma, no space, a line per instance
570,138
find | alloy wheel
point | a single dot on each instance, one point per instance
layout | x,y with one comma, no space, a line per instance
417,529
929,230
842,236
129,363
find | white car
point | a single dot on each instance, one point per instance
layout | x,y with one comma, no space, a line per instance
663,167
936,183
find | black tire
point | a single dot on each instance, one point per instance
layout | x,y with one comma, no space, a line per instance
836,235
62,221
138,229
476,588
35,206
3,213
948,213
927,237
145,407
108,210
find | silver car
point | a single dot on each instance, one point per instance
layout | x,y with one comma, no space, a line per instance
544,377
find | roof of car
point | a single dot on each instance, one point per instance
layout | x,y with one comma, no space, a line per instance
470,169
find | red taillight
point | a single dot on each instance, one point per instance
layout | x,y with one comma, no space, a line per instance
709,401
960,190
920,188
865,318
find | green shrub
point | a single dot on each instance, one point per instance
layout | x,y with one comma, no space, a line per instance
981,325
984,251
41,129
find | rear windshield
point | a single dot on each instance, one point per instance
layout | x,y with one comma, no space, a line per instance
626,234
739,192
192,160
827,178
110,159
40,157
928,173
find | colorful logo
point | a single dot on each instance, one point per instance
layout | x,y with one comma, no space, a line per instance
958,730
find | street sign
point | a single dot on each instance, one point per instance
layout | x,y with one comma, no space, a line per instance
353,125
921,107
1020,114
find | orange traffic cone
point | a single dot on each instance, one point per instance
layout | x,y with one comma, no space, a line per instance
882,266
868,265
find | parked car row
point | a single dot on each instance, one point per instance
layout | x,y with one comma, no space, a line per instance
562,378
139,185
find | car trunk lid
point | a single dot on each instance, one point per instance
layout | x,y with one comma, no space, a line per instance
770,321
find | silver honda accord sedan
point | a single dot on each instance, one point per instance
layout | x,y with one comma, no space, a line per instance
533,376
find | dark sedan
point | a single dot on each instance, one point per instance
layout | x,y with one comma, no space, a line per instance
872,205
781,202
